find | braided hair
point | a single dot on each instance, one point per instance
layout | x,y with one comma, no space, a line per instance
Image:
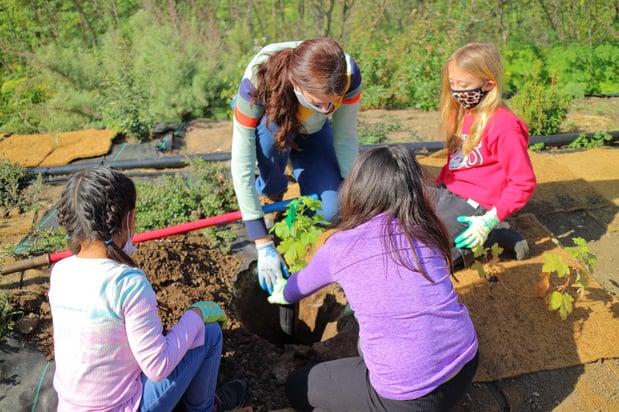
94,206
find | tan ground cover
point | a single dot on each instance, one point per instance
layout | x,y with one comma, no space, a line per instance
55,149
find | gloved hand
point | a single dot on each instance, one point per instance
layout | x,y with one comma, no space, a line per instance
270,266
477,232
277,297
211,312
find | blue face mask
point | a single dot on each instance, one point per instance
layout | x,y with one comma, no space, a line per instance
310,106
128,248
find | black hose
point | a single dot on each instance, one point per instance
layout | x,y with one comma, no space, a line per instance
175,162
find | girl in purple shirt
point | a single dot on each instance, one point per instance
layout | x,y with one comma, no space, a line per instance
391,256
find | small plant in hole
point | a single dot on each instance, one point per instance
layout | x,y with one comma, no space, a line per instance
572,266
487,261
299,231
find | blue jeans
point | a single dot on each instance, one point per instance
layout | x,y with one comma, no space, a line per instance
314,166
194,379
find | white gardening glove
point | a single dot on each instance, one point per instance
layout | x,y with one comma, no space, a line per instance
477,232
277,297
271,266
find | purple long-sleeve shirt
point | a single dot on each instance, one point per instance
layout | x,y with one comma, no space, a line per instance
414,333
107,331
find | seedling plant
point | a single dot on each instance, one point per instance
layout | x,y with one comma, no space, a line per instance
298,231
572,269
562,271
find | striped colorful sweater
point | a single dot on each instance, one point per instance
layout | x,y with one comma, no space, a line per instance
248,115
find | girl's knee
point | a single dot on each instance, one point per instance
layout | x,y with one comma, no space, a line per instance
213,335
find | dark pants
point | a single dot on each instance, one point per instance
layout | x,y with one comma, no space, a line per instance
344,385
448,207
314,166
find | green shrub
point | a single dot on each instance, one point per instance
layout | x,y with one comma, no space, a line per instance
542,108
11,182
205,191
7,317
377,133
582,70
599,139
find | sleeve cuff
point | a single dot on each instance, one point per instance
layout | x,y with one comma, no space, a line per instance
256,228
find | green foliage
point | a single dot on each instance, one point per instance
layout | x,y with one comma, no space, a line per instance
377,133
487,261
206,191
583,70
543,108
299,231
11,180
572,270
129,65
39,241
7,317
599,139
404,70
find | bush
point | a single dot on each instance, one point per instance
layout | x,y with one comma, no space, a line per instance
542,108
205,191
12,179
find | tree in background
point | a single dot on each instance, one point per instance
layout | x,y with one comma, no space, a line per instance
128,64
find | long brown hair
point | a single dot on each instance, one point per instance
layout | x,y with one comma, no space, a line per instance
482,60
317,66
388,179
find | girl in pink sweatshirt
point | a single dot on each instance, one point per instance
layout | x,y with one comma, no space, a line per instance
488,174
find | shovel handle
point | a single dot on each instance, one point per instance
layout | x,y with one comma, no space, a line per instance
32,263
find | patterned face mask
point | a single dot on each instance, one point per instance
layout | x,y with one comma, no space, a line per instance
469,98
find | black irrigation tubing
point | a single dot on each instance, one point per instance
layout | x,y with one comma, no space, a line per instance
175,162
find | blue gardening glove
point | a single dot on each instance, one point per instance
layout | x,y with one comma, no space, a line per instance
477,232
270,266
211,312
277,297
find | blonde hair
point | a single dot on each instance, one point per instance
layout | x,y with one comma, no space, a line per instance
482,60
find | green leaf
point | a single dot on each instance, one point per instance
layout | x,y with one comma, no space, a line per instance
566,305
554,263
496,250
479,267
555,300
561,301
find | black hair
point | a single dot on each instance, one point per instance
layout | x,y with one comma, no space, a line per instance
94,206
389,180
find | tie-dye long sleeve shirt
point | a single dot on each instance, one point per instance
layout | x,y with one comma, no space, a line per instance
107,331
247,115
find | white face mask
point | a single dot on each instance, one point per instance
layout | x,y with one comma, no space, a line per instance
303,101
129,248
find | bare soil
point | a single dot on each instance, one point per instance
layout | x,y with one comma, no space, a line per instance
183,269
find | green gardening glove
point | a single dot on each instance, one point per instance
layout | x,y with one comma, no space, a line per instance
211,312
477,232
